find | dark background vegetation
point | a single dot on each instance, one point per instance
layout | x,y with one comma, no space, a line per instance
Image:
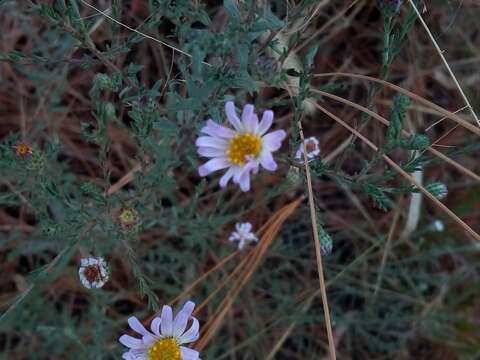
112,119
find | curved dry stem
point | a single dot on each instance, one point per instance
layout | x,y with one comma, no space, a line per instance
414,96
440,53
374,115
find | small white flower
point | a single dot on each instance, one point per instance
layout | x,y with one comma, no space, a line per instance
243,234
313,149
93,272
438,225
166,336
240,150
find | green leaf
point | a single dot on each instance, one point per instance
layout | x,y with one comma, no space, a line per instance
232,9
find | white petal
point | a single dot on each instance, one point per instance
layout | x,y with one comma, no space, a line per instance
209,141
241,244
250,121
181,320
245,182
266,123
216,130
155,326
213,165
188,354
226,177
266,159
136,354
136,325
273,140
242,170
131,342
192,333
299,153
149,339
210,151
166,323
232,116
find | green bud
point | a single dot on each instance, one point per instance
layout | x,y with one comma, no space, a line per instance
437,189
414,142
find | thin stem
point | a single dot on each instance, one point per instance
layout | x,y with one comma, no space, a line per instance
440,52
318,253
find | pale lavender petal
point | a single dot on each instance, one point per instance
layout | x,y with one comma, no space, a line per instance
189,354
149,339
299,153
155,325
227,176
181,320
136,325
245,182
266,123
232,116
166,323
209,141
210,152
217,130
131,342
266,159
135,354
213,165
273,140
248,118
242,170
192,333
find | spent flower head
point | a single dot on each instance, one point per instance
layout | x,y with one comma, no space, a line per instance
23,149
93,272
312,145
166,338
240,150
243,234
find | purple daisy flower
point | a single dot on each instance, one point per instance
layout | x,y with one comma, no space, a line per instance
166,338
240,150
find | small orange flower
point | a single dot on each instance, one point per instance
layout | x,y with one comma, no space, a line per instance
22,149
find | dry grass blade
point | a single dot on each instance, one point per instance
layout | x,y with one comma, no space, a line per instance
414,96
318,253
440,53
432,150
407,176
255,258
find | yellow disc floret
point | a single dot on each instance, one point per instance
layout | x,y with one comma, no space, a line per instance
165,349
242,146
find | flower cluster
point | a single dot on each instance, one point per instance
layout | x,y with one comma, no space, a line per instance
166,338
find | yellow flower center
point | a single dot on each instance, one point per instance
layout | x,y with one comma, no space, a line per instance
165,349
242,146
